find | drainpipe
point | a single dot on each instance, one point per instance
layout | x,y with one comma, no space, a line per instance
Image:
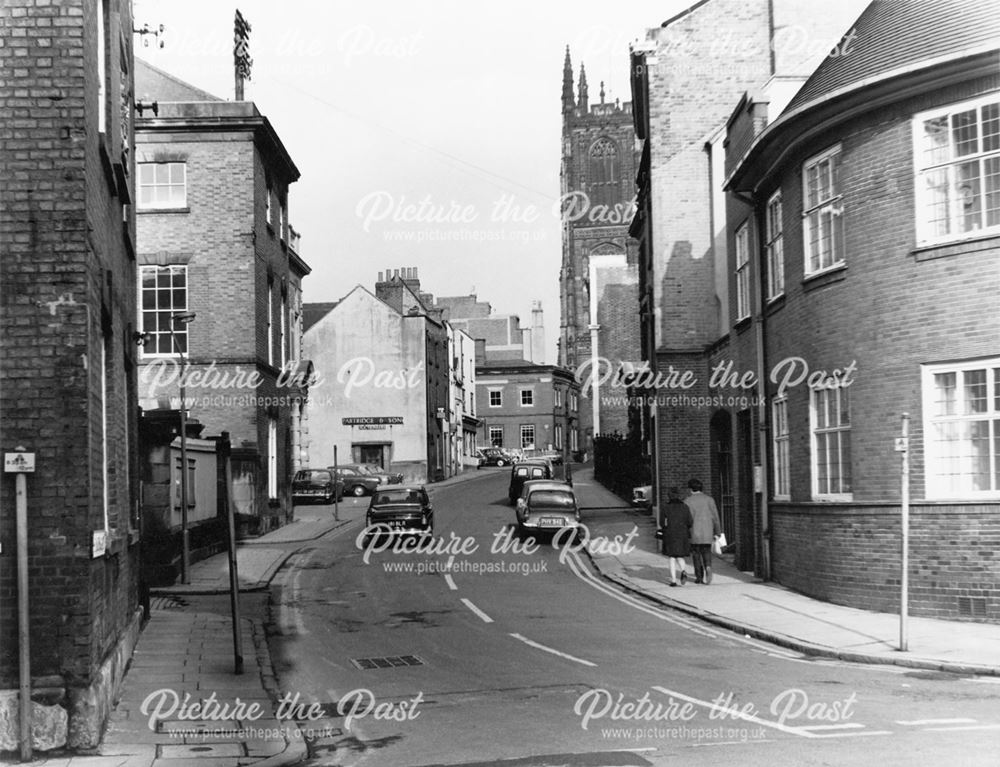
763,414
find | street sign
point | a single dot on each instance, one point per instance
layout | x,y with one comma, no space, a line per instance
18,462
100,544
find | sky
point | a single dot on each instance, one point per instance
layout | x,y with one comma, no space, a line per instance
427,134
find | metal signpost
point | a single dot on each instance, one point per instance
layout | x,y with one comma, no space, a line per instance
903,446
21,463
336,495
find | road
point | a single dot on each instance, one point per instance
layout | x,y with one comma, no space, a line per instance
499,654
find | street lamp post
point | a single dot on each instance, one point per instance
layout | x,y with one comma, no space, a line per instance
183,318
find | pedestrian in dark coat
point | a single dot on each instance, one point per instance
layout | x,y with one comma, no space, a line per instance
677,521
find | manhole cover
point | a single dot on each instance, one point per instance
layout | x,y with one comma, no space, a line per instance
390,661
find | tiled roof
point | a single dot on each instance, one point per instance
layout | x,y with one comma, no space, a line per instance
313,313
893,34
155,84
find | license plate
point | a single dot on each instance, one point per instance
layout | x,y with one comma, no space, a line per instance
397,523
552,521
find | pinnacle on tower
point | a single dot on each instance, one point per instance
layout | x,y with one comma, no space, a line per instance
583,100
567,89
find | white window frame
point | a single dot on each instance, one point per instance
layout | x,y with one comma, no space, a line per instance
105,463
489,435
530,391
270,322
828,209
574,439
558,397
180,331
102,67
559,436
774,228
527,430
272,458
781,453
157,204
815,434
742,249
283,342
489,397
937,486
268,210
924,167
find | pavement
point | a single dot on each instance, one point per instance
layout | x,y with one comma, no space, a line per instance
743,603
183,652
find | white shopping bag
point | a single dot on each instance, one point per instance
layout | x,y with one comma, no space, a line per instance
719,544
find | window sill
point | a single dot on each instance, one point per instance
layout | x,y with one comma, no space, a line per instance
141,211
956,247
774,304
742,324
827,276
841,498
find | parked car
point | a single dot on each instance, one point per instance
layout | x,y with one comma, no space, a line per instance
385,477
525,471
355,481
403,509
547,506
316,485
642,497
496,456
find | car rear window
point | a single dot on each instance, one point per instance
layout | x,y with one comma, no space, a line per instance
398,496
538,473
551,499
313,475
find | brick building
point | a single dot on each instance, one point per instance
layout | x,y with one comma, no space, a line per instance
215,240
383,390
598,280
524,406
503,333
864,236
687,76
68,360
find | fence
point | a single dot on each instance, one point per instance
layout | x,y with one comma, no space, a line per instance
620,464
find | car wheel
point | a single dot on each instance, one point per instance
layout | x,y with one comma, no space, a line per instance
500,462
358,491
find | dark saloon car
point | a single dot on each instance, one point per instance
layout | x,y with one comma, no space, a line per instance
523,472
385,477
547,506
402,509
355,481
496,456
315,485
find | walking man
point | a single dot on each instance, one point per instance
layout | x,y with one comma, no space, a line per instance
704,530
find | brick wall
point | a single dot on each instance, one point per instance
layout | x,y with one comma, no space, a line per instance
238,272
851,555
66,294
894,307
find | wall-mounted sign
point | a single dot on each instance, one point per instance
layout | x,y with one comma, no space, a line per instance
100,544
373,420
18,462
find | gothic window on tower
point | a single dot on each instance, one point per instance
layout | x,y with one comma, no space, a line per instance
605,172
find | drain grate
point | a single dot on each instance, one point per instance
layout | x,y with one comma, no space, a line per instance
390,661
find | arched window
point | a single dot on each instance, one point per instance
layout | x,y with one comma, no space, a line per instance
605,173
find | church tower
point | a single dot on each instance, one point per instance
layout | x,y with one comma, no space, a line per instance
598,280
